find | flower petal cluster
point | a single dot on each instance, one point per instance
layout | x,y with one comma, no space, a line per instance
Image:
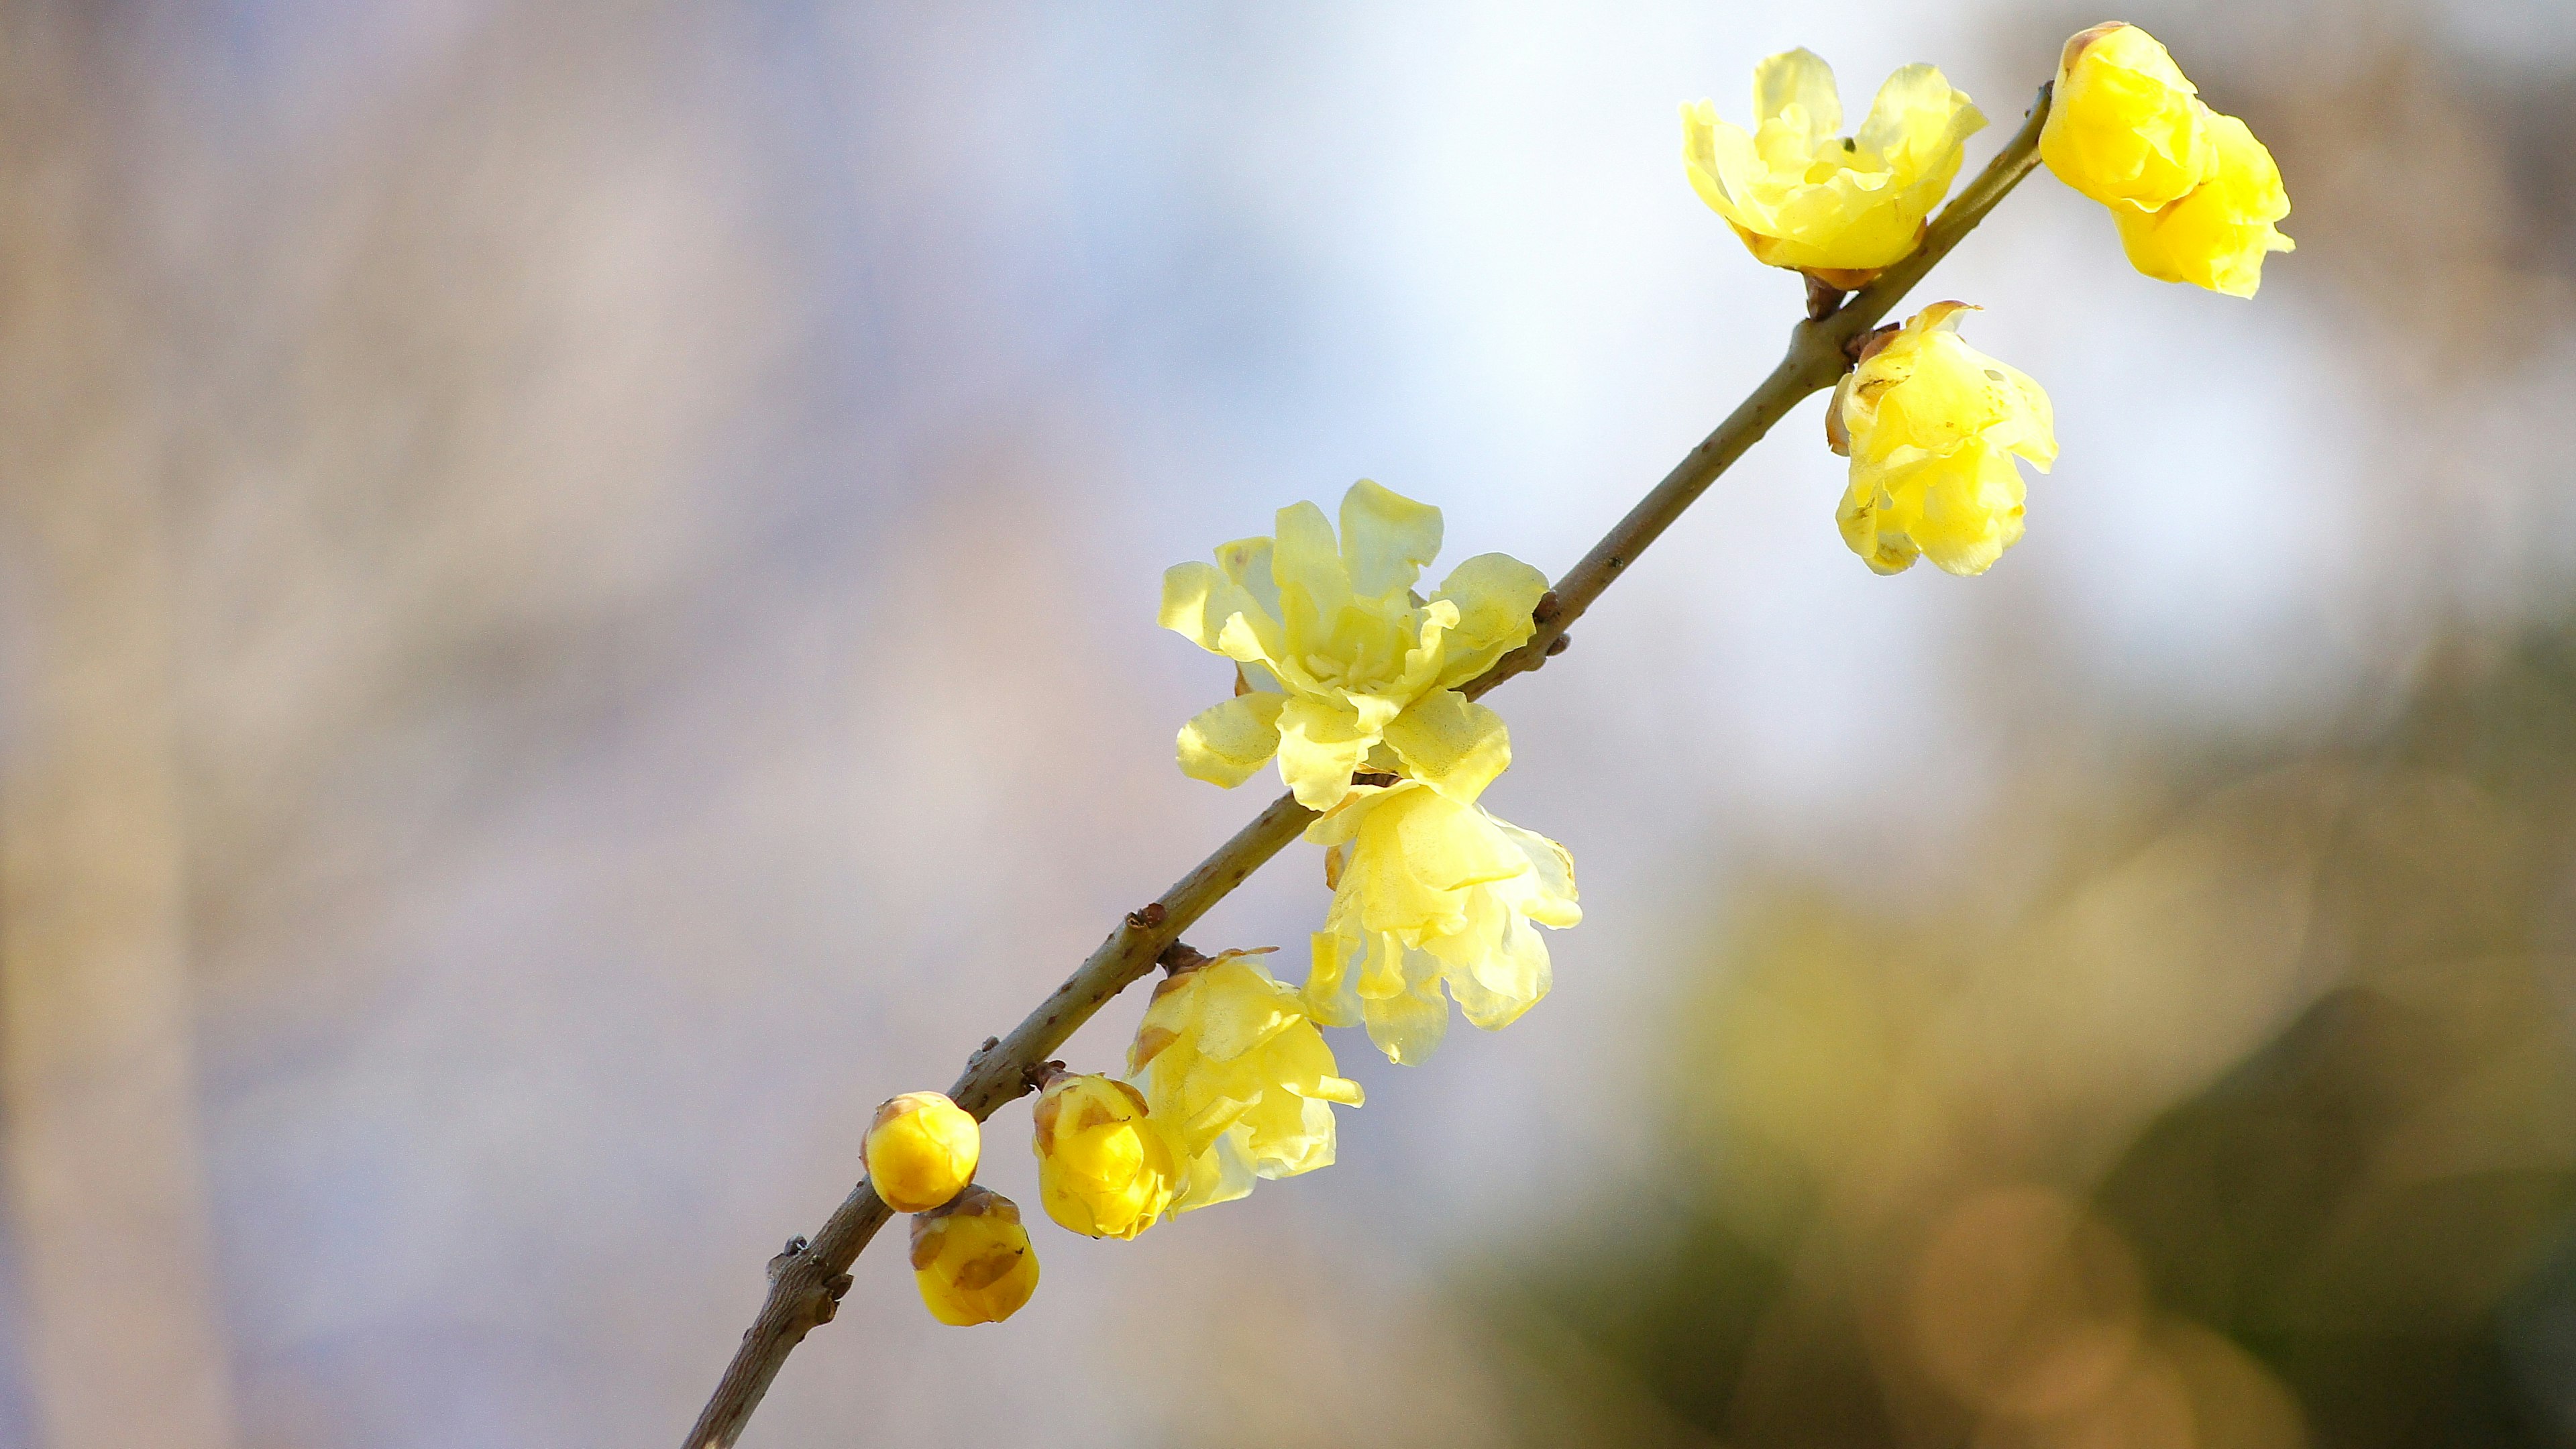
1932,427
1104,1169
1336,655
1432,891
1237,1077
921,1151
1803,196
2217,236
2195,195
972,1260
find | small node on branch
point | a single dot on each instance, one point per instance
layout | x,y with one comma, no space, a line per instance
1147,919
1559,645
1866,346
1548,604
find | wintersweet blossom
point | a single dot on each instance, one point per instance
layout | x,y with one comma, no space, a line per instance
1104,1169
2217,236
1336,656
2195,195
921,1151
972,1260
2125,127
1801,195
1932,427
1237,1077
1430,890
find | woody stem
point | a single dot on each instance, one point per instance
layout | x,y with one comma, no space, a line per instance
806,1283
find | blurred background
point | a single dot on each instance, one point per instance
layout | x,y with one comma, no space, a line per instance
576,608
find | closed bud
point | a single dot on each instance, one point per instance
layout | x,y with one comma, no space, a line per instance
921,1151
972,1259
1104,1169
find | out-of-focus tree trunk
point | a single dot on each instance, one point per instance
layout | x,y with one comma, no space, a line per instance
105,1181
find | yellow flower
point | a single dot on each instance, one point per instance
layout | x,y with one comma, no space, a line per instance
1336,655
1932,426
2194,194
1839,207
1428,890
1103,1167
2217,236
2125,127
1238,1078
921,1151
972,1259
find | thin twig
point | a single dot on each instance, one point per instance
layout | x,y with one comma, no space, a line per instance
807,1281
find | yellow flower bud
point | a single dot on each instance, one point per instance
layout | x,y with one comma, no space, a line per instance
1104,1169
2125,127
1932,426
1801,195
921,1151
2217,236
972,1259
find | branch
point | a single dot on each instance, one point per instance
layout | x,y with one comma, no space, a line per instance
807,1280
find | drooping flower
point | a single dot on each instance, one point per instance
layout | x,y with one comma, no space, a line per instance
2195,195
972,1259
1932,427
2217,236
2124,126
1336,655
1104,1169
1429,891
1803,196
921,1151
1237,1077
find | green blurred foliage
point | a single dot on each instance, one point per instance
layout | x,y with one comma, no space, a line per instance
2232,1102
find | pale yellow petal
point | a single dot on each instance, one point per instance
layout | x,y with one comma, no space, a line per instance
1200,603
1386,539
1225,745
1451,743
1494,594
1800,80
1319,748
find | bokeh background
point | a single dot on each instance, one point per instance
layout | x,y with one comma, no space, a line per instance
576,593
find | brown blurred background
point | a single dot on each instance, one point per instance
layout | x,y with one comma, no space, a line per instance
576,591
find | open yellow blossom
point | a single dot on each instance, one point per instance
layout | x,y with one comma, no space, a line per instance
1336,655
1430,890
972,1260
921,1151
1932,427
1237,1077
1801,195
2124,126
2217,236
1104,1169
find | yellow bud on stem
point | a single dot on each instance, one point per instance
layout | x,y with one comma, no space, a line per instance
1104,1169
972,1259
921,1151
